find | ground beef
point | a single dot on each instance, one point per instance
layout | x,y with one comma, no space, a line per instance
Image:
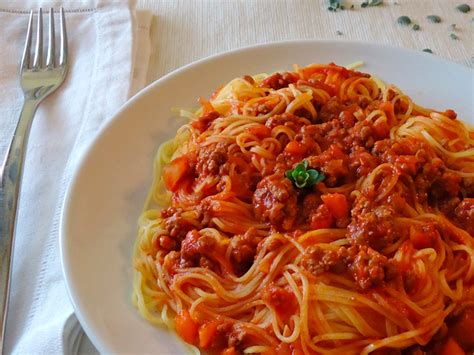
361,162
321,218
464,215
318,261
286,119
467,186
332,132
362,134
446,186
311,202
334,163
372,226
210,159
331,109
244,250
197,250
175,225
368,267
275,201
279,80
309,135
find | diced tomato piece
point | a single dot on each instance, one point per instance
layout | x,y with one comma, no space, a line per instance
336,204
207,334
175,171
186,327
261,131
451,347
295,148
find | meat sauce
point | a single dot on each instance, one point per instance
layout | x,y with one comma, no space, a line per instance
345,149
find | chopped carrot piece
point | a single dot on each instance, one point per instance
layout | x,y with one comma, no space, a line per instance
295,148
206,105
207,334
336,204
175,171
261,131
186,327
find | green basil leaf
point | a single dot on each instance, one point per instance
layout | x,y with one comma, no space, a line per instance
313,177
375,2
434,18
320,178
300,168
301,177
301,180
404,20
463,8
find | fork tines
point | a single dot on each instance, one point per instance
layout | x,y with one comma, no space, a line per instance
38,51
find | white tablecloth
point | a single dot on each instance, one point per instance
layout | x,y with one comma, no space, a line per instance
186,30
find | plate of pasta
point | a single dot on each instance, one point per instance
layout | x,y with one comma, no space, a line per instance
299,197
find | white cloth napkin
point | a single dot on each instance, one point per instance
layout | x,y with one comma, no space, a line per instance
109,52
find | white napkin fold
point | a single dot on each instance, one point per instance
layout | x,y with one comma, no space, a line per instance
109,51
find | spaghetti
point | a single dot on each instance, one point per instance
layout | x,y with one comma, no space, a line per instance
313,211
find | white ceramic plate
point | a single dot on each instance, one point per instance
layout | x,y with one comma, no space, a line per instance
106,195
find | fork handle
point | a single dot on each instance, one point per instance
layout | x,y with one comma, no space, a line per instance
10,177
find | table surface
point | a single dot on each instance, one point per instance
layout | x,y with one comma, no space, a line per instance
187,30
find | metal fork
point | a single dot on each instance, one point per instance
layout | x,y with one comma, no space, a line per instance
37,81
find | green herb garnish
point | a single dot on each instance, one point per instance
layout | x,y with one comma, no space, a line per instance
403,20
339,33
335,5
427,50
463,8
303,177
434,18
415,27
454,36
371,3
